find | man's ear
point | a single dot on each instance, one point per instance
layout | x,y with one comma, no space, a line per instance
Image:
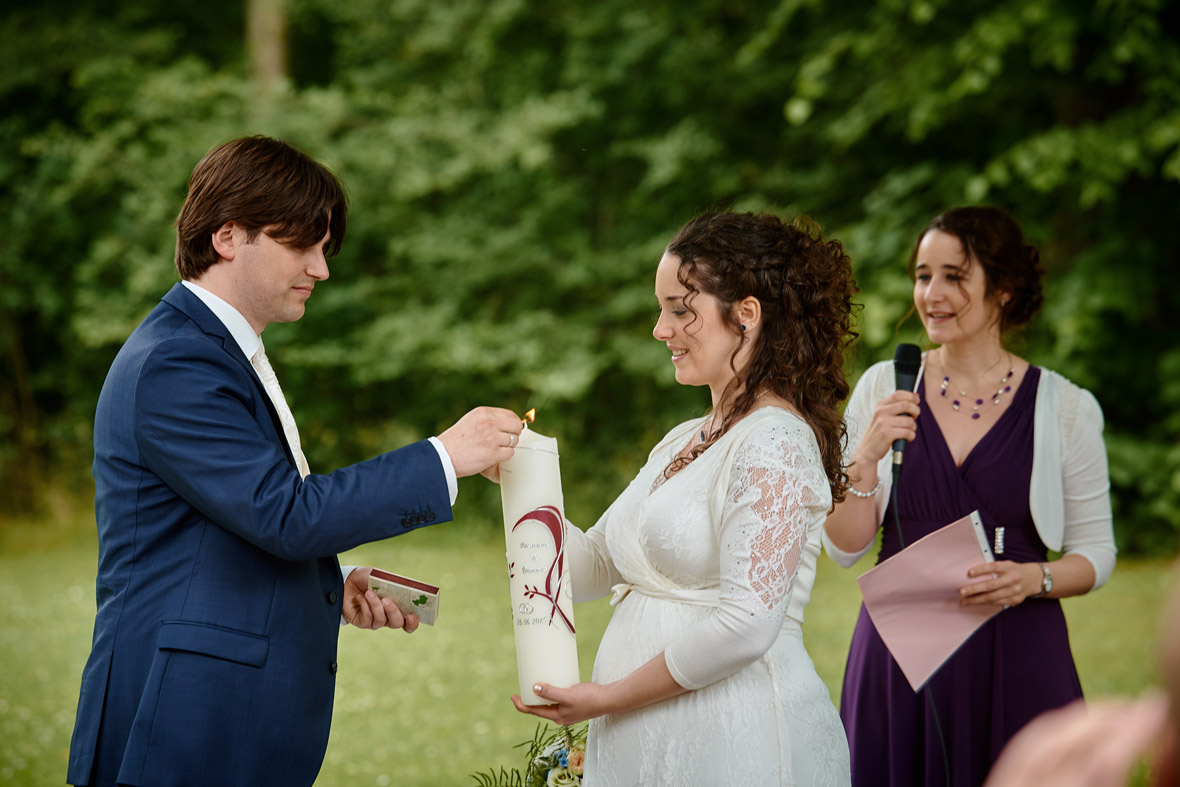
223,241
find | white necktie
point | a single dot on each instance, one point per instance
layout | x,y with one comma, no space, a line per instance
271,382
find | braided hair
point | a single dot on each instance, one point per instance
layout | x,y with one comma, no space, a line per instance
804,285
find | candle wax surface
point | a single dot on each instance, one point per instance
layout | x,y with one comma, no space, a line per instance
530,486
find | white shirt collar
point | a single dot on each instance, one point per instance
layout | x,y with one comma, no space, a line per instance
231,318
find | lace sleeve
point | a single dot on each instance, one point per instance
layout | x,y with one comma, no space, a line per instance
590,562
776,493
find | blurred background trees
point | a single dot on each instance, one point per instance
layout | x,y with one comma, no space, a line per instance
515,168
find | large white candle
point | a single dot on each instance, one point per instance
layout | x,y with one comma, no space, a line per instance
539,580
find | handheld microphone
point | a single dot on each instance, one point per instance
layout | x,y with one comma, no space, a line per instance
907,360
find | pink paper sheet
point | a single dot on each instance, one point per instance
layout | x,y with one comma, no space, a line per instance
913,597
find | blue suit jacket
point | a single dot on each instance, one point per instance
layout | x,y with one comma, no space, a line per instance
219,593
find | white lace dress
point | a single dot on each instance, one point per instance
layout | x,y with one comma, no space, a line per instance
715,565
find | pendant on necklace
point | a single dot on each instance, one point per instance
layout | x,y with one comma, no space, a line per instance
957,404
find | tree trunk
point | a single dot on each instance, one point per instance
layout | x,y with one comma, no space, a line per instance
266,40
22,476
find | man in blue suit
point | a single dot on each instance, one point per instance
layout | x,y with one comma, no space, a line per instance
219,593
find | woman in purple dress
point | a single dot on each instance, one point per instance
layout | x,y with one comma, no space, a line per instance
987,431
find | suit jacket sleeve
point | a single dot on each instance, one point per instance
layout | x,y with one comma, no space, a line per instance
203,427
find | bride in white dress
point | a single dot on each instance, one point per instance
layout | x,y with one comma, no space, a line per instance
702,677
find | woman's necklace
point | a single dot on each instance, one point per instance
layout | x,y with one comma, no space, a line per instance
710,426
957,404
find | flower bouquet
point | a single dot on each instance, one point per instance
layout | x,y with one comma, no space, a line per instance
555,759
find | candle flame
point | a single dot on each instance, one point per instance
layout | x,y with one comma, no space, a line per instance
530,416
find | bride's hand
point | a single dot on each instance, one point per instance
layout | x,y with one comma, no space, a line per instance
570,706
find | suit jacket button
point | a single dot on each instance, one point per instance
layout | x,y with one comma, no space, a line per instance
332,668
332,597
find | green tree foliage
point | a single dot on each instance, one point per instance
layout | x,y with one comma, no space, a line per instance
1066,113
515,168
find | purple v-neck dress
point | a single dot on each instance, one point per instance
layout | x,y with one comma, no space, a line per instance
1015,666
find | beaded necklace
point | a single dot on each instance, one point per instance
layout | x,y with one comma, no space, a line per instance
957,404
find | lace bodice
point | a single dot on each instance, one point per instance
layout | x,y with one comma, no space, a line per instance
719,562
744,518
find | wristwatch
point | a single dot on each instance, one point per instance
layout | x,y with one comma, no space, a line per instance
1046,581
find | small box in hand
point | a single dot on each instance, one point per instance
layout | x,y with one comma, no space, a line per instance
410,595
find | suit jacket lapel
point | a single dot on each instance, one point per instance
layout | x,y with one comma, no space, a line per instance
179,297
182,299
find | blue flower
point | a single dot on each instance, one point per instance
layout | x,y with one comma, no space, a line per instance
563,759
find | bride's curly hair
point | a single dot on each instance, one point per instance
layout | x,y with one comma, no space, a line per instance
805,286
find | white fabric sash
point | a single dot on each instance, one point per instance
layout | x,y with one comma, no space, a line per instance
701,597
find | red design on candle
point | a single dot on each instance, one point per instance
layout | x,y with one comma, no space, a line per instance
552,520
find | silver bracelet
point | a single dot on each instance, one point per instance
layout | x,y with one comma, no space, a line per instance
858,493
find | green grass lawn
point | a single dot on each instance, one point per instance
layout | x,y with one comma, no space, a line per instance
432,707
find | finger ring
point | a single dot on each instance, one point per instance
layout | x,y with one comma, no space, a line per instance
511,441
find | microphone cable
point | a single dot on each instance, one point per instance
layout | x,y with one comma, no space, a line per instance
946,762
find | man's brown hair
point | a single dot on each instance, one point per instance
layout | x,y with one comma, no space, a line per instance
258,182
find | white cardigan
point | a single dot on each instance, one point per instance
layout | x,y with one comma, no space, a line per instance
1069,494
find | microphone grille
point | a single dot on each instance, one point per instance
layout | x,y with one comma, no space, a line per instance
907,359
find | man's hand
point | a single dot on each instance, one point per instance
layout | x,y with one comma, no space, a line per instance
364,609
481,440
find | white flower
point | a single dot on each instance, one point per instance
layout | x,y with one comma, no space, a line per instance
561,777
